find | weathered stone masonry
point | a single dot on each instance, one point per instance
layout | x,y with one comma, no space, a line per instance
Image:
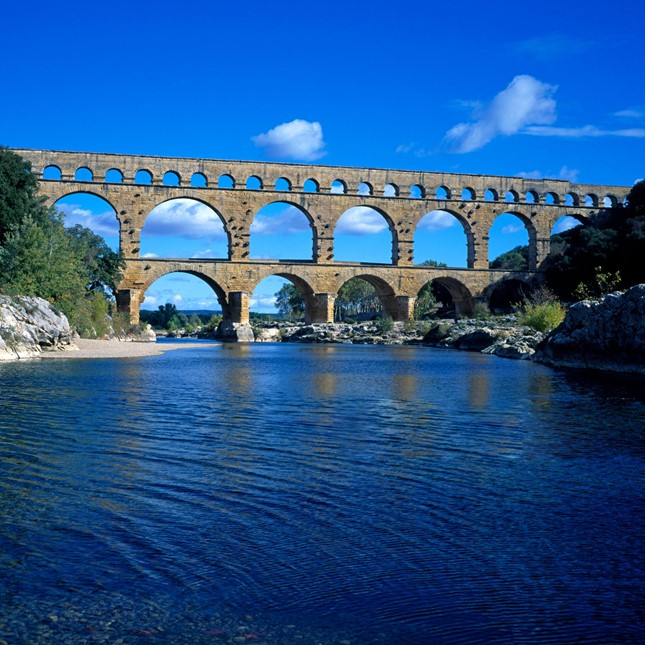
402,197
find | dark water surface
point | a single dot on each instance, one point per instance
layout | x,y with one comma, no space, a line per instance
320,494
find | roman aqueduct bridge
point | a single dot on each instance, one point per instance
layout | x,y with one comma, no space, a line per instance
237,190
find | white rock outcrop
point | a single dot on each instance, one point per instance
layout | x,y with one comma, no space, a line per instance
29,326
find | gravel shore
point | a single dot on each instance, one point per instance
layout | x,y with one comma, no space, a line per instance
87,348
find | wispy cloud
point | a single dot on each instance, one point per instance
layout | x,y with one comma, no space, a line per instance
584,131
105,224
361,220
509,229
436,221
185,218
298,139
525,102
287,222
632,113
551,47
566,173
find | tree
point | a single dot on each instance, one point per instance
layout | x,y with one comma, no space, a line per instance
516,259
356,297
289,301
19,198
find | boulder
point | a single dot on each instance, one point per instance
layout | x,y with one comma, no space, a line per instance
268,335
29,326
477,340
605,334
234,332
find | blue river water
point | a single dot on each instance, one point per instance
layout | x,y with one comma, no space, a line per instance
278,493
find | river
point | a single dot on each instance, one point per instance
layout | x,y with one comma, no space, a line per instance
279,493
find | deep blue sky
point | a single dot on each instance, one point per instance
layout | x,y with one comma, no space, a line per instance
411,85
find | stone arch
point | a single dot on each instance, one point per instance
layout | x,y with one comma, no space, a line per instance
530,231
83,174
358,220
459,301
442,193
563,221
365,188
384,291
310,186
282,184
54,172
171,178
254,182
551,198
511,197
532,197
572,199
591,200
610,201
161,270
302,285
338,186
505,294
390,190
143,176
198,180
417,191
285,224
436,222
113,176
468,194
193,222
226,181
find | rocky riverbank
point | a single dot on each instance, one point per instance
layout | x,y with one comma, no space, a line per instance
606,334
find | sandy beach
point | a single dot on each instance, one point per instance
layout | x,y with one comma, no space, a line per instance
115,349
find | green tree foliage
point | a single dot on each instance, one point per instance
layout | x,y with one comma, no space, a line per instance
426,301
604,254
289,302
40,257
19,198
516,259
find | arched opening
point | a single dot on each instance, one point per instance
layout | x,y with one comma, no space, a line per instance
254,183
310,186
571,199
225,181
443,298
443,192
508,241
532,197
505,296
114,176
440,239
282,184
184,228
198,180
591,201
93,212
143,177
281,231
551,198
83,174
511,197
364,297
182,300
610,201
171,179
468,195
362,234
491,195
338,186
281,295
365,189
417,191
52,173
565,223
391,190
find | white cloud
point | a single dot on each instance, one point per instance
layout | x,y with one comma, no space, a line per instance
149,255
149,301
361,220
630,114
565,223
512,228
263,302
104,224
177,298
287,222
298,139
185,218
436,221
584,131
525,102
569,174
531,174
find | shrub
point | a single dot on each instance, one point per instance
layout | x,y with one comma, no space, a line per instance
542,312
384,325
481,311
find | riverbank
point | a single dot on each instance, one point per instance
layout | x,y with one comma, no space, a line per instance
86,348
